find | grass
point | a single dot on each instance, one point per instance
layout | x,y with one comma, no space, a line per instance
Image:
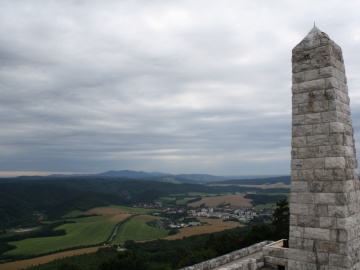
73,213
136,229
265,206
184,201
86,231
136,210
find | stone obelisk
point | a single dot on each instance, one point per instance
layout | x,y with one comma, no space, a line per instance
325,198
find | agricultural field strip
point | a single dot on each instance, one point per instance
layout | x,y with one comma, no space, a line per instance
136,229
234,200
86,231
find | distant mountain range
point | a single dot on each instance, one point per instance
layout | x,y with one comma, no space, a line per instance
202,178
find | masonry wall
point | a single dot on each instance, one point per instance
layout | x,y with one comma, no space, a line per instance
324,207
245,259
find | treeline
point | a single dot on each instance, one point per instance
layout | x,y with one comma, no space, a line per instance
258,199
45,231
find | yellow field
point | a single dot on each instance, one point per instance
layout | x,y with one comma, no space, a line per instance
234,200
214,225
115,214
45,259
276,185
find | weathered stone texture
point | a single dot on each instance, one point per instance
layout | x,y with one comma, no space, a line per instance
325,204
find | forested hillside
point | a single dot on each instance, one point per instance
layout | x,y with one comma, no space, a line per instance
21,198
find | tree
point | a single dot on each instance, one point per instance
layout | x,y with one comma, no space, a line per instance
281,220
133,260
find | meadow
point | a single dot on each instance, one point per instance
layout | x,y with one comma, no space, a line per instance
85,231
92,230
136,229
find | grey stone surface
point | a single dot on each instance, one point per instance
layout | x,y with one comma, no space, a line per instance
325,204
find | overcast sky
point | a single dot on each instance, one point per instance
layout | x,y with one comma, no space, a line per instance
170,86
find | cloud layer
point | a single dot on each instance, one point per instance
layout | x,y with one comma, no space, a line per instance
172,86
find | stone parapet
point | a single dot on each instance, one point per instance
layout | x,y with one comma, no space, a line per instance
250,258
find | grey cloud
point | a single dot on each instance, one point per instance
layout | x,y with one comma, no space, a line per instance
166,86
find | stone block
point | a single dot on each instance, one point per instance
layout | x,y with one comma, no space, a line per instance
340,260
339,106
302,255
317,233
343,97
295,109
298,142
316,186
348,140
297,164
305,197
294,175
336,139
300,98
332,83
295,242
338,211
308,152
304,130
339,174
308,221
299,186
293,219
327,222
317,140
321,62
348,130
321,210
351,174
298,77
299,209
314,163
322,128
327,247
337,127
351,163
306,175
313,107
332,151
308,244
334,162
330,116
325,198
344,118
318,95
294,153
342,198
298,120
295,88
312,118
349,151
314,85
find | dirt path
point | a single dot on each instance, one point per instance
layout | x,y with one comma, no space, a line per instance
45,259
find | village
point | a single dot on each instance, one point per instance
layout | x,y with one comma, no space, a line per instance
182,216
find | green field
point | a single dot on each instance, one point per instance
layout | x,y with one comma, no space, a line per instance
136,229
91,230
136,210
86,231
